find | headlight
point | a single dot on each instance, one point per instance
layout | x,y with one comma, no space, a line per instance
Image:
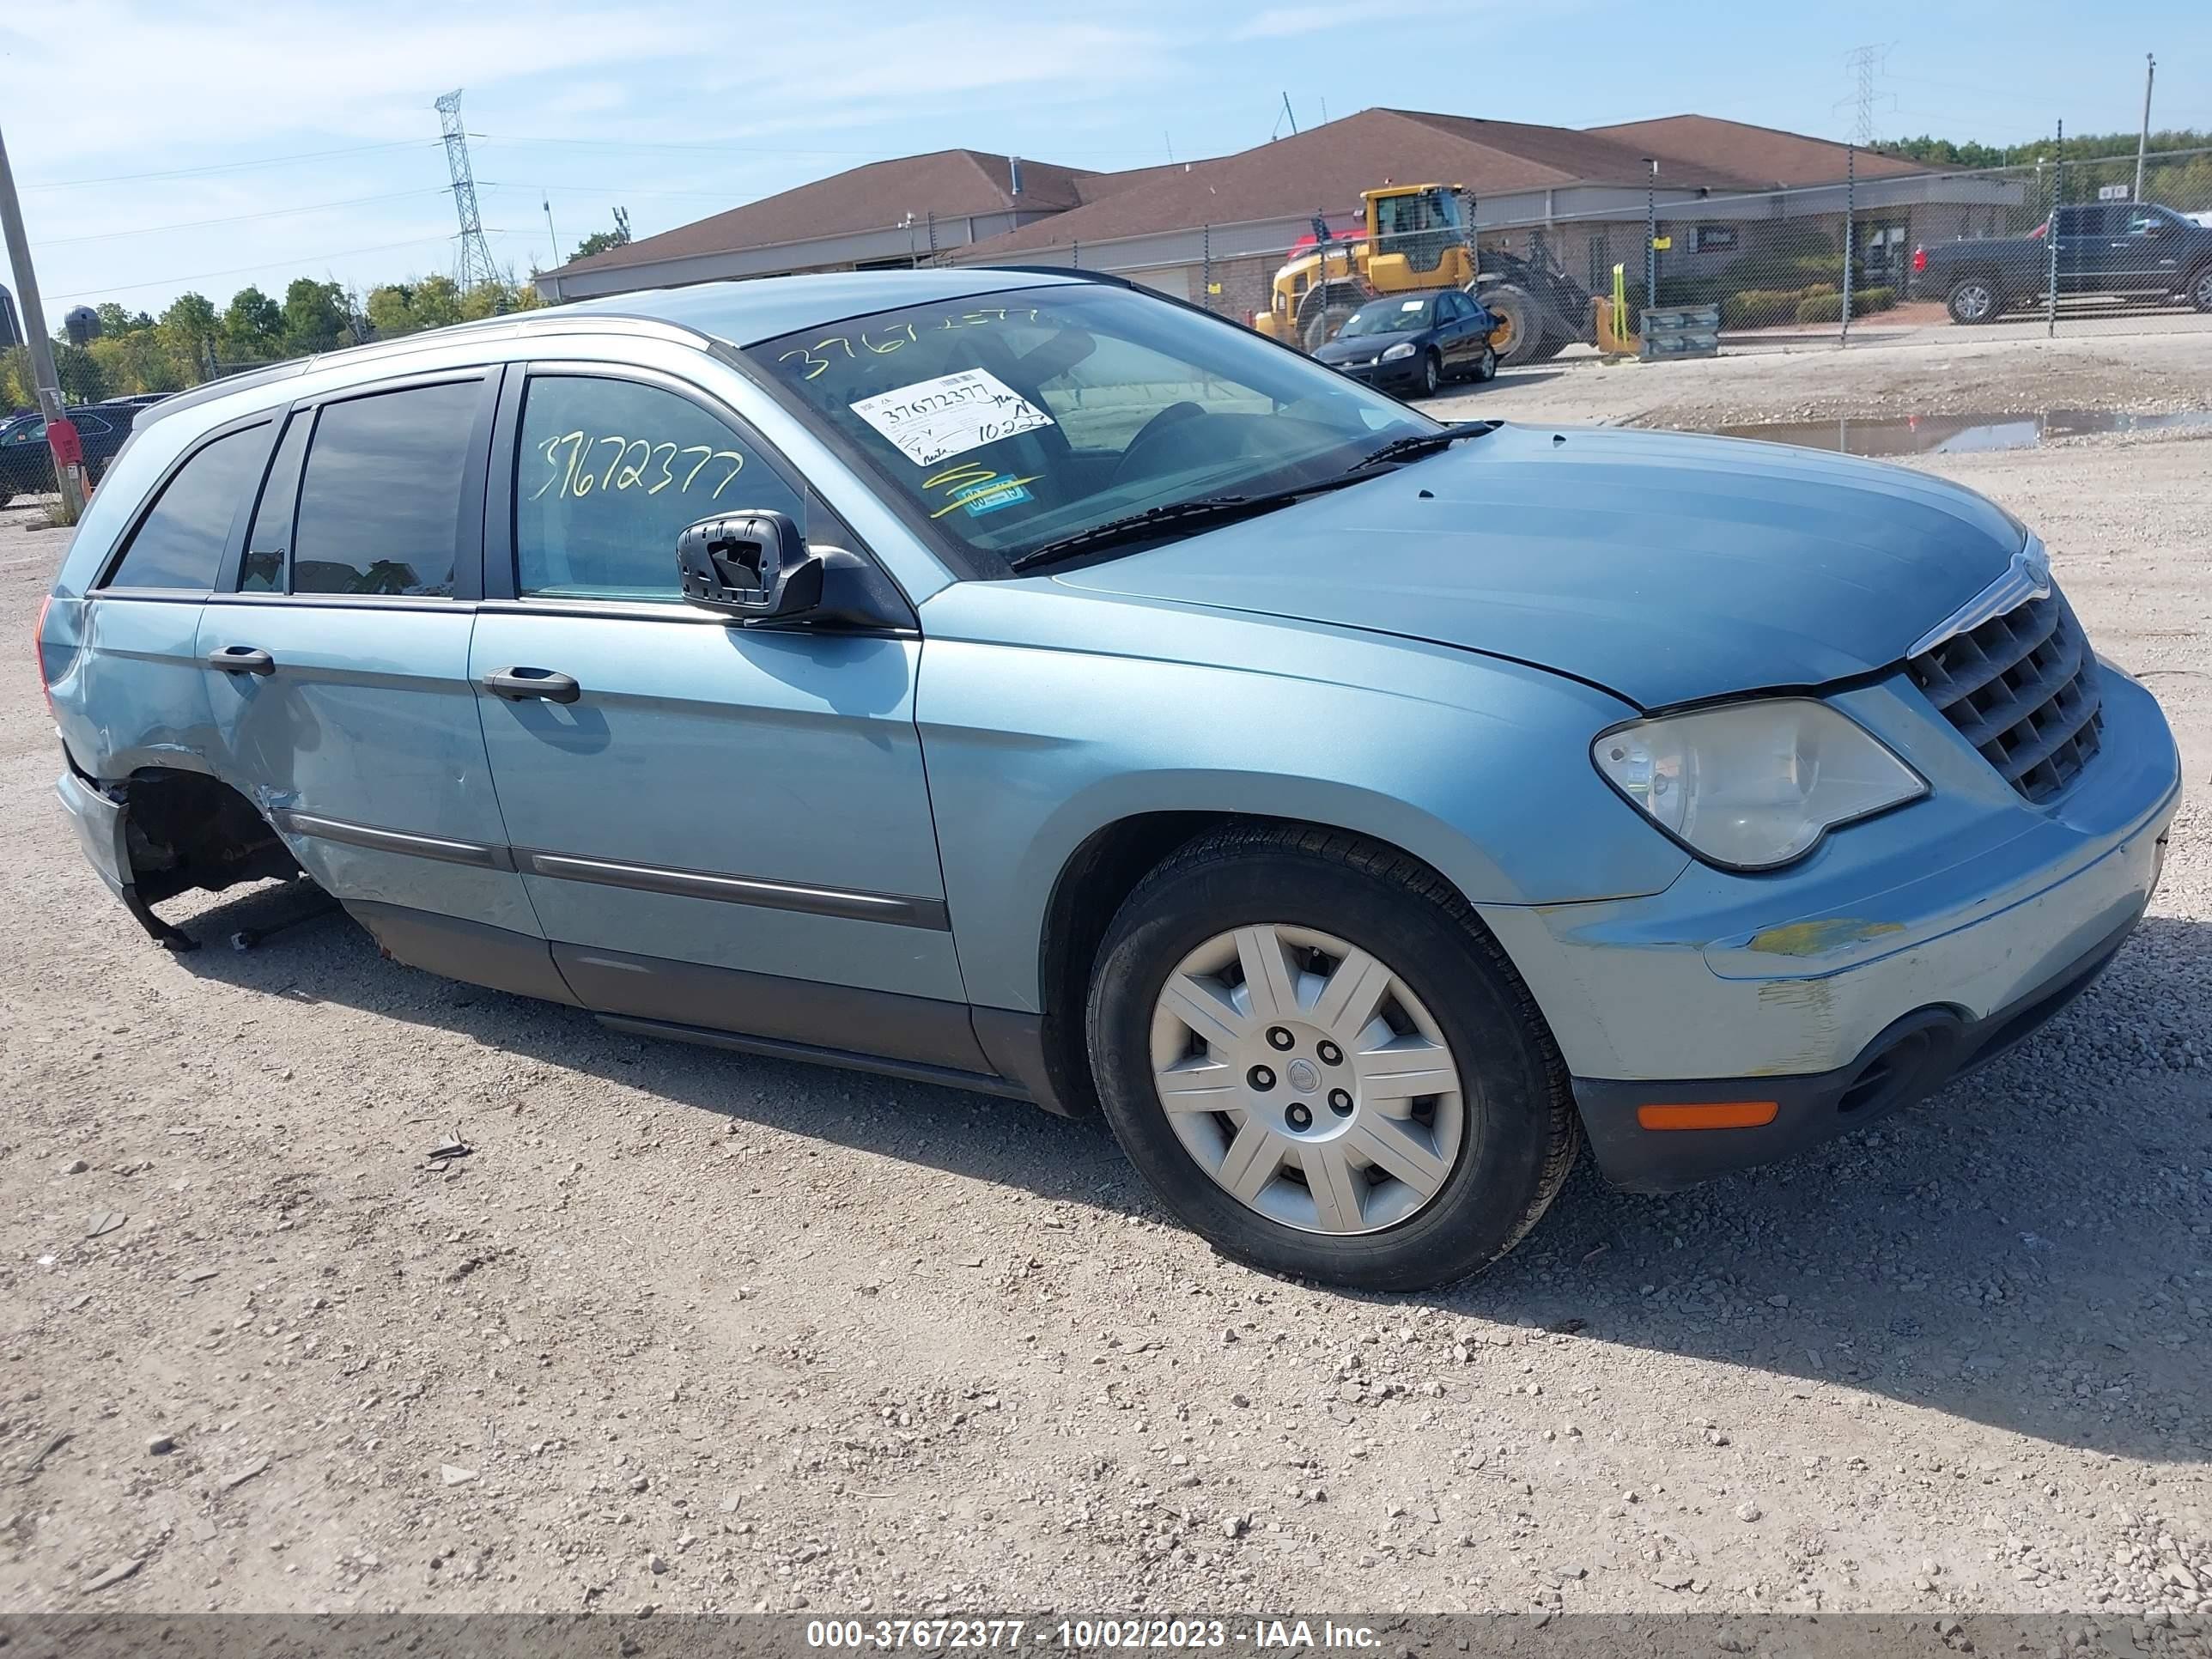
1750,786
1404,349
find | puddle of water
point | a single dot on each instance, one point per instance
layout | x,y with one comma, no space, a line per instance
1962,435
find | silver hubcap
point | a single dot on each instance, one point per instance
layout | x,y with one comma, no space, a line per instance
2205,291
1307,1080
1974,302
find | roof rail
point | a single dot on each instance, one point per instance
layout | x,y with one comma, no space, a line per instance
551,317
1073,272
209,391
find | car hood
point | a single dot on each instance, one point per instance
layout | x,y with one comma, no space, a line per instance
1663,567
1363,345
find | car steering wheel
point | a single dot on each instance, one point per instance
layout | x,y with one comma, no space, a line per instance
1173,416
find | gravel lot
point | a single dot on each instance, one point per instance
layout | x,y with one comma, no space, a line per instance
695,1331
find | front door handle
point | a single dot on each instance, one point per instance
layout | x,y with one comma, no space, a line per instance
242,660
521,684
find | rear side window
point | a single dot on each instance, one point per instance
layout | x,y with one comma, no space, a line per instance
379,502
180,542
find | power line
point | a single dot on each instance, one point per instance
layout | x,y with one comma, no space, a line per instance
235,218
498,138
227,166
484,188
263,264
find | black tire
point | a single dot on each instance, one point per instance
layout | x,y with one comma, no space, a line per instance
1485,366
1324,312
1524,318
1433,373
1973,300
2199,289
1522,1133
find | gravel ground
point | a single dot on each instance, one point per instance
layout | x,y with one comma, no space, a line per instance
694,1331
2141,373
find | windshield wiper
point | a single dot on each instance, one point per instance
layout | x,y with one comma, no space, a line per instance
1206,509
1424,443
1218,509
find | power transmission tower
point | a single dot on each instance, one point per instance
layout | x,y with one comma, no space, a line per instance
1865,63
472,253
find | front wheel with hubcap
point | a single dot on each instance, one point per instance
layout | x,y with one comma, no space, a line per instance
1432,373
1310,1048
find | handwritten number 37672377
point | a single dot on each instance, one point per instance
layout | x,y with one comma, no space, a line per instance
630,463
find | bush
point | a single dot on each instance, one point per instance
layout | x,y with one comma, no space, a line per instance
1766,308
1758,307
1829,307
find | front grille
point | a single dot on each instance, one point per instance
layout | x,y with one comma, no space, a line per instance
2022,689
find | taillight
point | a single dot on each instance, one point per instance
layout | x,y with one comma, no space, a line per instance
1919,260
38,652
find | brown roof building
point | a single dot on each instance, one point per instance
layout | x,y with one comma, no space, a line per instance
1178,226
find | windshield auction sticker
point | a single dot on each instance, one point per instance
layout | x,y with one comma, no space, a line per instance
950,415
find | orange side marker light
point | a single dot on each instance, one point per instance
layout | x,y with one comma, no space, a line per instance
1716,1115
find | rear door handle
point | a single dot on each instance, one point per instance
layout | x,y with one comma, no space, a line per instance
521,684
242,660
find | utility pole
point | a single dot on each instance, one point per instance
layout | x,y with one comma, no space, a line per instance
1651,236
546,200
35,338
2142,139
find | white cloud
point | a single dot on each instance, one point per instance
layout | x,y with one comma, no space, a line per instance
275,106
1283,22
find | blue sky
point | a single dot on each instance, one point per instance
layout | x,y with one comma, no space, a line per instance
162,147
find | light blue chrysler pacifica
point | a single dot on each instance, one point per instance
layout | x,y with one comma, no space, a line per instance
1023,682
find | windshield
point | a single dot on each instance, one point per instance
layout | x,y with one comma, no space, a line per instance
1007,421
1386,317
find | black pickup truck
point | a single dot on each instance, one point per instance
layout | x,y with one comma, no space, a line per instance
2121,250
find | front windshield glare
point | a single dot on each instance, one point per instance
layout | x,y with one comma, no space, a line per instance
1007,421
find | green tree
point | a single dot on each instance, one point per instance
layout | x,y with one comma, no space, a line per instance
115,321
189,326
315,316
142,360
390,310
600,240
16,391
252,327
436,302
79,373
2081,147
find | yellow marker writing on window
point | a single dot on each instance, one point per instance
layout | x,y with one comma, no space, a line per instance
578,465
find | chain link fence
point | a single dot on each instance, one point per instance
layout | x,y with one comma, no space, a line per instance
2065,248
1931,256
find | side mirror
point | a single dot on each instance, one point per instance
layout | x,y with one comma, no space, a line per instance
752,565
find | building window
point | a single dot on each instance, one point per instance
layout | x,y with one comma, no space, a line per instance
1716,239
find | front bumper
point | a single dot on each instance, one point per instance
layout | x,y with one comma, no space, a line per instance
1404,372
1912,1060
1961,922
